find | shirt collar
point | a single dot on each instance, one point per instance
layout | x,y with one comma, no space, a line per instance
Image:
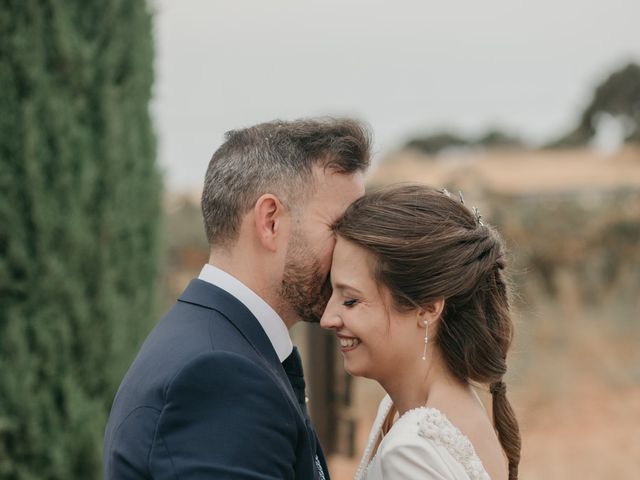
270,321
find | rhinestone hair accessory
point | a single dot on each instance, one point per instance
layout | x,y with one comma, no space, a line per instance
476,213
474,209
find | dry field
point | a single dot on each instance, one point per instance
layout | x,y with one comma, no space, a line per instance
516,172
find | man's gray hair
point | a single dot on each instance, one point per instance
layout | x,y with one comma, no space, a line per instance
276,157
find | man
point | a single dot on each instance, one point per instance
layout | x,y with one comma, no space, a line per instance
217,390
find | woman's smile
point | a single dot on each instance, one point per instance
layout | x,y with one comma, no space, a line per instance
348,343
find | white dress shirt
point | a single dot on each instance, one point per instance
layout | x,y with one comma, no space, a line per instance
270,321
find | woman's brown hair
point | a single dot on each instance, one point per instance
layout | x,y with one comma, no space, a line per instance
428,245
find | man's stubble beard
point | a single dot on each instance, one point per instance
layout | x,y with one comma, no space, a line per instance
303,288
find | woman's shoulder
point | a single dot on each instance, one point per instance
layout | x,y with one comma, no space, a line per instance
425,438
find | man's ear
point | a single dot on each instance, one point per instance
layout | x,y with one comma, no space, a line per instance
269,214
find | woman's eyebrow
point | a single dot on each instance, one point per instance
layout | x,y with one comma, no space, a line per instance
344,286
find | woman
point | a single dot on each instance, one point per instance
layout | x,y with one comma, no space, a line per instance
420,304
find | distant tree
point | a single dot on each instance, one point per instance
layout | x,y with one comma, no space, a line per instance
79,212
495,138
619,96
433,144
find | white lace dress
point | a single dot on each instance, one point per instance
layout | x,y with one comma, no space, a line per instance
422,444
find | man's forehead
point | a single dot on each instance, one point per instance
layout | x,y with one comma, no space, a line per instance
328,179
336,191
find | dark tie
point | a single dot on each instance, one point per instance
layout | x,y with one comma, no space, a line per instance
293,368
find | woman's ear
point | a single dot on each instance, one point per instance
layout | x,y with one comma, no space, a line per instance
269,216
435,308
431,312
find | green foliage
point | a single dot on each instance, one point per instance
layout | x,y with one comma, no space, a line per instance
619,96
78,225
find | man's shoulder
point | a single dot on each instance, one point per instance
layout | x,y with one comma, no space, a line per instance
185,334
205,388
189,349
182,338
206,327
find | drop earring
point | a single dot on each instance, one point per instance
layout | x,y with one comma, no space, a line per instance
426,340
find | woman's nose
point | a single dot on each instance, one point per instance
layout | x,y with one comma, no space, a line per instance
330,318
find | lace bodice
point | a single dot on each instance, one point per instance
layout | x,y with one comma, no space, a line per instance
435,426
442,450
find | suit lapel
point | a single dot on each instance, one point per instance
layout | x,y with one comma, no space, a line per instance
207,295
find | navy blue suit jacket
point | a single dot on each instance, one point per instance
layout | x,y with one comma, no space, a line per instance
207,397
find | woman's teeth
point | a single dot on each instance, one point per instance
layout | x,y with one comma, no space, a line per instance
349,342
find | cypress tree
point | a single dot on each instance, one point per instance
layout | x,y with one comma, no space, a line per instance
79,213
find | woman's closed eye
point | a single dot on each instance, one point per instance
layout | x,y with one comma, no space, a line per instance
350,303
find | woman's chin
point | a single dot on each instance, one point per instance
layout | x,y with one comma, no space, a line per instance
354,369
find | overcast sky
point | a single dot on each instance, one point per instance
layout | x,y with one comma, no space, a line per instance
402,66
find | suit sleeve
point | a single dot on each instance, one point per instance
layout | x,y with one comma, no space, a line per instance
224,418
